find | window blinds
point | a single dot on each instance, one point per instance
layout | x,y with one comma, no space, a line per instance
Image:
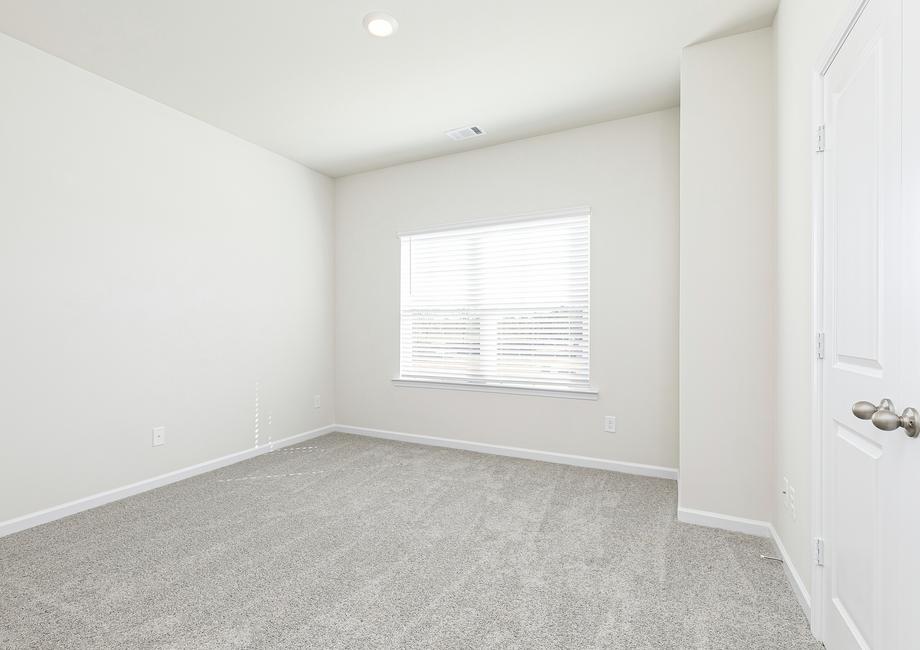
503,304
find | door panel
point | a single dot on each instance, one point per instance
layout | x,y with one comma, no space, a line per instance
853,590
862,313
856,137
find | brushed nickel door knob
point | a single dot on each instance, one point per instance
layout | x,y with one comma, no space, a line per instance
909,420
865,410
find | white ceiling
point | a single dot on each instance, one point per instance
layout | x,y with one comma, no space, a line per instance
303,78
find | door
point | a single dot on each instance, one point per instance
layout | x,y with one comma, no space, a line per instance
871,332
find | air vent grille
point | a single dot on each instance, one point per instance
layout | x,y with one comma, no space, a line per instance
465,133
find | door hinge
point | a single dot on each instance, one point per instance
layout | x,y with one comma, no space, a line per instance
819,345
821,140
819,551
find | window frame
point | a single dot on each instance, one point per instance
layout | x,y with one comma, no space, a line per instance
588,392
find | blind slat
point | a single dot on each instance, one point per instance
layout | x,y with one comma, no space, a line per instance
498,304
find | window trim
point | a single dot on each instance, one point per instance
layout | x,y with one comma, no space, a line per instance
589,392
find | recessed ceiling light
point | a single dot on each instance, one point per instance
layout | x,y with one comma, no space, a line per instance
379,24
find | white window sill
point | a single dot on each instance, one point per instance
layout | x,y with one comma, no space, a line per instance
567,393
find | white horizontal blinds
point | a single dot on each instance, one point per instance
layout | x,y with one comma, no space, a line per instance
503,304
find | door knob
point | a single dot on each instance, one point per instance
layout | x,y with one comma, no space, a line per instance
865,410
909,420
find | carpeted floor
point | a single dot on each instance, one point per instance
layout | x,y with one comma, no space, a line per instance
350,542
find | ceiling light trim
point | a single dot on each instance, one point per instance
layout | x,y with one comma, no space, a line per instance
380,24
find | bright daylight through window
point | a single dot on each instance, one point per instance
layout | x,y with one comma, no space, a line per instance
503,304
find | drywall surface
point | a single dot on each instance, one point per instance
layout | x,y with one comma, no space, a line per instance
727,276
154,271
627,172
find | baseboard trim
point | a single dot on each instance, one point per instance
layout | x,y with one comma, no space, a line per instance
516,452
725,522
58,512
685,515
760,529
795,580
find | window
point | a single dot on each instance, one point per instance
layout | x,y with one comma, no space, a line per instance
503,305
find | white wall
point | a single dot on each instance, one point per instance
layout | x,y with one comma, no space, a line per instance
802,30
153,269
727,276
627,171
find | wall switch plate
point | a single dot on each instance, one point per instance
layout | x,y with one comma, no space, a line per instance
159,436
785,492
792,501
610,423
316,401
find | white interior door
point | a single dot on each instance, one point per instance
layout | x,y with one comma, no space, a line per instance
871,350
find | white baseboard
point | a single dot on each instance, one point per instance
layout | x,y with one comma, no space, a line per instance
686,515
795,580
57,512
516,452
752,527
725,522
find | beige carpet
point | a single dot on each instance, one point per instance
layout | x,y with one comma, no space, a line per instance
349,542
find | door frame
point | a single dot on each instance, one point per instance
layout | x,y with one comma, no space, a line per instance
828,54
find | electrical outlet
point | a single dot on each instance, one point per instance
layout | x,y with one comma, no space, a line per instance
316,401
610,424
159,436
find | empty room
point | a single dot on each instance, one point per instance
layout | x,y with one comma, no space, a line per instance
414,324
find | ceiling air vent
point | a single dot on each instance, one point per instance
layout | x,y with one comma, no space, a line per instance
465,133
